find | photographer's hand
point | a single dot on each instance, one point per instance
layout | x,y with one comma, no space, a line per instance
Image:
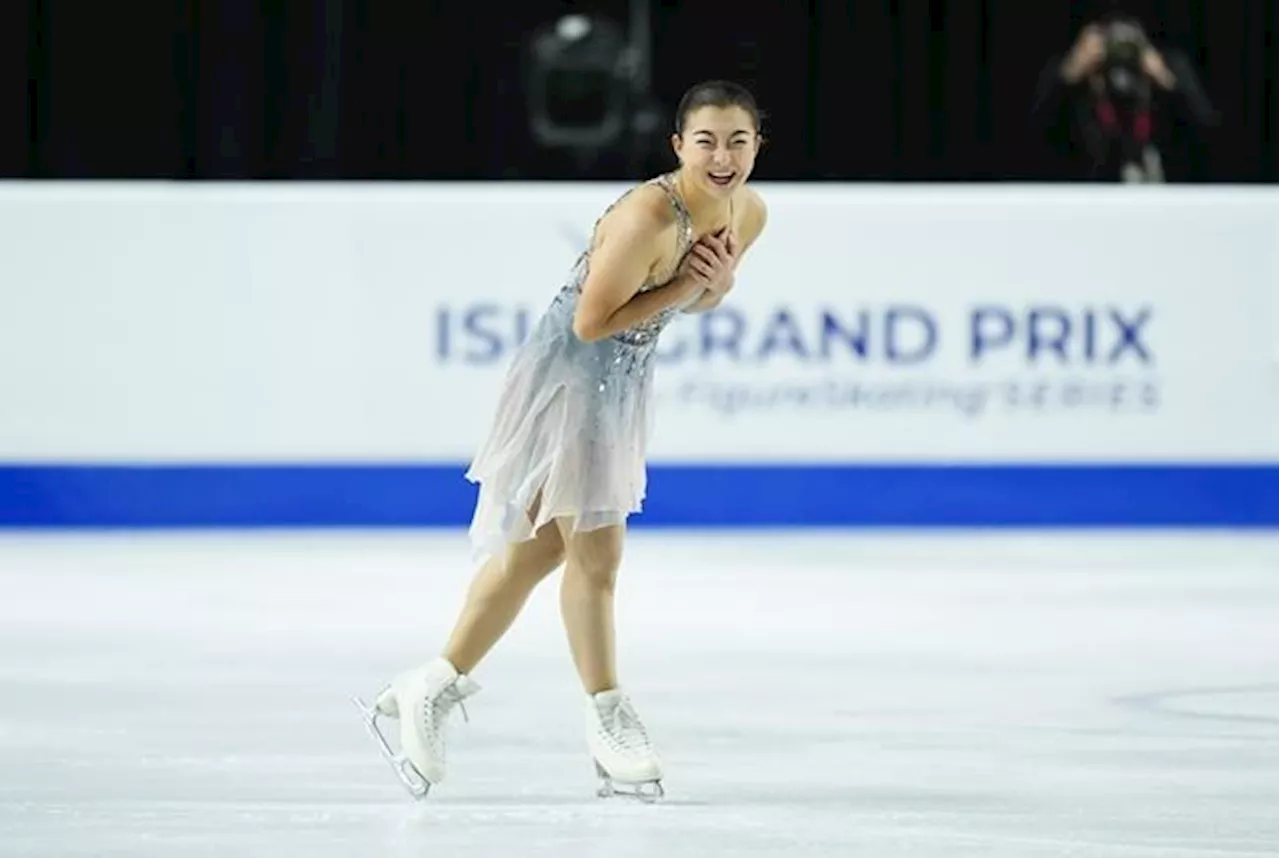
1086,55
1154,66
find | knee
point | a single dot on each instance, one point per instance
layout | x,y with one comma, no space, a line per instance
535,559
596,567
551,559
539,563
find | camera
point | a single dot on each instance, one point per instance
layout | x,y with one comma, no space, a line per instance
1122,66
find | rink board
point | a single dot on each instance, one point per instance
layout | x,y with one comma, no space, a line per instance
329,355
1182,496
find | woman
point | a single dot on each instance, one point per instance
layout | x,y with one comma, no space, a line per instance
564,465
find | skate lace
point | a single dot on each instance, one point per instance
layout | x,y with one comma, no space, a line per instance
624,730
437,710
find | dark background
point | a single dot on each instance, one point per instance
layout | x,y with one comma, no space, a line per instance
381,89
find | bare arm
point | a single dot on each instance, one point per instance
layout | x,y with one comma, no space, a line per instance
709,301
620,264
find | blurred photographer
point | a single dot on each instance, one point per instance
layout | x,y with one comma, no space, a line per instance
1116,108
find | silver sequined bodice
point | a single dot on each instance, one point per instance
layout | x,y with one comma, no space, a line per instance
644,334
573,417
623,361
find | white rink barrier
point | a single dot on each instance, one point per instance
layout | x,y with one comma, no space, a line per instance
329,355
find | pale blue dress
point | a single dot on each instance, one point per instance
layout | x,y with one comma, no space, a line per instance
572,417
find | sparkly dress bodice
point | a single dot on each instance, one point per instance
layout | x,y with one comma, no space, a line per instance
573,417
643,334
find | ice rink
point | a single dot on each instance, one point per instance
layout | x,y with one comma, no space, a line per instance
812,695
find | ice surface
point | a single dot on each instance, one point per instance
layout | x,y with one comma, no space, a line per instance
812,695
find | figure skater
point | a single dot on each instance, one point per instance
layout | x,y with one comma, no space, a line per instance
564,464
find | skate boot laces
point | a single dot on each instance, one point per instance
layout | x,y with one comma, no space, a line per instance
436,709
621,726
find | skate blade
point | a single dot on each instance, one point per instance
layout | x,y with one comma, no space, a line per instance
646,791
405,770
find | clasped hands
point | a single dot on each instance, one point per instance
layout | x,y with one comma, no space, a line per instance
709,264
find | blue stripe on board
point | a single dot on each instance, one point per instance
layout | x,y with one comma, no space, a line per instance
234,496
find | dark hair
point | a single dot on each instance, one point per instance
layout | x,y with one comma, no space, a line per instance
718,93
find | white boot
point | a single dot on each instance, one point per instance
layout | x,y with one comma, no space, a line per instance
422,698
620,746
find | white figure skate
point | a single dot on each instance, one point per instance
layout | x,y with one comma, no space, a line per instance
621,749
421,699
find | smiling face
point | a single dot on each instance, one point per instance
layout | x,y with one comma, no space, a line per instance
717,148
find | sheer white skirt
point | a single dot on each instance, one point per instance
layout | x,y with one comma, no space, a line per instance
568,436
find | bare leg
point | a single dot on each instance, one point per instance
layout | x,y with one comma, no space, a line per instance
586,602
498,592
430,691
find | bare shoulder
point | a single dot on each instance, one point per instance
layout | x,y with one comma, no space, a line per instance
634,233
754,216
756,213
642,214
